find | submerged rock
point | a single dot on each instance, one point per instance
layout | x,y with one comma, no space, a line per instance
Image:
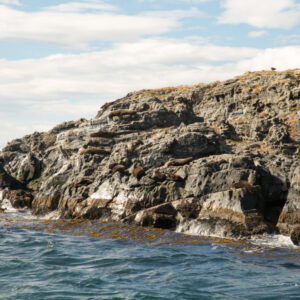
219,159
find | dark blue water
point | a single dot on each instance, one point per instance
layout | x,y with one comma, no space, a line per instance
37,265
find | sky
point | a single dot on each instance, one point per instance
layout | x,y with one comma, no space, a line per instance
62,60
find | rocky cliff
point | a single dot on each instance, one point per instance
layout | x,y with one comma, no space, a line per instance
220,158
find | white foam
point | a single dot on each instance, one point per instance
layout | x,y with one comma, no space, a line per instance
268,240
273,241
6,205
1,195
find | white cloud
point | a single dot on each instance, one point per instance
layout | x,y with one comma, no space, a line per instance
281,58
175,14
76,7
16,129
77,29
172,1
59,107
20,117
194,1
288,39
261,14
197,1
10,2
62,87
255,34
108,73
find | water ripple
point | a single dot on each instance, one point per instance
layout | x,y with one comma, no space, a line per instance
39,265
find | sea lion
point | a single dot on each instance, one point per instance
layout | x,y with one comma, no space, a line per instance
179,161
242,184
83,181
174,177
138,172
104,134
159,176
162,176
118,168
121,112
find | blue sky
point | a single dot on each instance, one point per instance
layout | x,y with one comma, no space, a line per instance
61,60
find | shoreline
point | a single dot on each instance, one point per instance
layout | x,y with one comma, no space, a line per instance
64,226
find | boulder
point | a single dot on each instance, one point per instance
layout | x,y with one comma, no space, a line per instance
18,198
161,216
295,236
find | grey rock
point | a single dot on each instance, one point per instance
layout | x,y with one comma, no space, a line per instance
176,158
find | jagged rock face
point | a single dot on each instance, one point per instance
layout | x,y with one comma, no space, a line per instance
221,158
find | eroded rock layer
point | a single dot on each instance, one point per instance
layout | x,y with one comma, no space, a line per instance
221,158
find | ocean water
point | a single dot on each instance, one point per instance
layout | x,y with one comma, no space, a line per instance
57,259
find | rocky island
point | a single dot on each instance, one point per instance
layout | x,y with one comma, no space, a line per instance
209,159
